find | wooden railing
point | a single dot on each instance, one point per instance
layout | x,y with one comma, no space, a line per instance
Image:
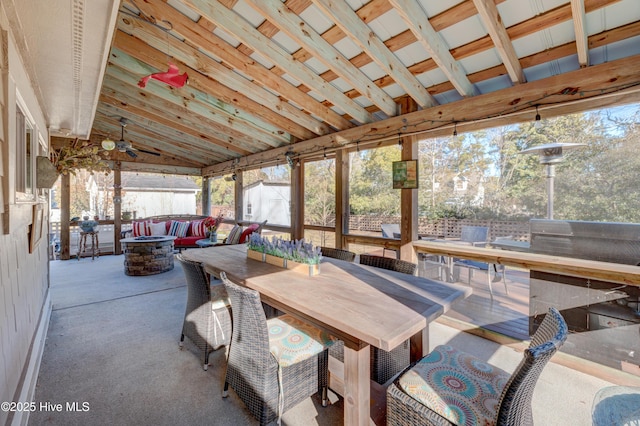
105,236
605,271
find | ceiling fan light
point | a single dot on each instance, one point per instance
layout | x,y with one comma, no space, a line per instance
108,144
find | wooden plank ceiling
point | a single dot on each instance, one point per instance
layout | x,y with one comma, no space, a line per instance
306,76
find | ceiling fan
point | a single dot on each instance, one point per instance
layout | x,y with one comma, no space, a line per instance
122,145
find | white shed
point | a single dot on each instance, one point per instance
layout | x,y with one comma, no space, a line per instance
268,201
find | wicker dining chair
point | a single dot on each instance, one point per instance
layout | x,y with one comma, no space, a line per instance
207,322
267,372
422,396
335,253
388,263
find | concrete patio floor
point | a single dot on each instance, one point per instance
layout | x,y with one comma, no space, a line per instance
112,347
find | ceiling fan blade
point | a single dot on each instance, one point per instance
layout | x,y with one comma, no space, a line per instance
131,153
148,152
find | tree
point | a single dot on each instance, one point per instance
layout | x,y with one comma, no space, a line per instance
319,192
371,189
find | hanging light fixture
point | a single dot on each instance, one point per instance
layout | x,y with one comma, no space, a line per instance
537,124
455,128
108,144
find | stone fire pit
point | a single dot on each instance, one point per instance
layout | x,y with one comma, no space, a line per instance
147,255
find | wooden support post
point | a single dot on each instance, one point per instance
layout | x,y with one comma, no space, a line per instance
65,209
238,197
117,208
408,197
297,202
342,197
206,196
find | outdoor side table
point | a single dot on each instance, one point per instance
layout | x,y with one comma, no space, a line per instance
82,244
205,242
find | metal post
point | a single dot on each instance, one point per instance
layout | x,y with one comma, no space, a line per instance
551,173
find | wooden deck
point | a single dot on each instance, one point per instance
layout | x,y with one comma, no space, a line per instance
506,314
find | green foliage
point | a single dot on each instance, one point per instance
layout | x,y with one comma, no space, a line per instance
222,191
371,186
319,192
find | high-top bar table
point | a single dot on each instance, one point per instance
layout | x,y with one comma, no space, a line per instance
361,305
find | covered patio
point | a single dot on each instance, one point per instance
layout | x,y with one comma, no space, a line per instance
113,343
221,88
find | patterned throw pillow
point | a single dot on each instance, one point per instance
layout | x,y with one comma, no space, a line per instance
159,228
141,229
234,235
178,229
198,229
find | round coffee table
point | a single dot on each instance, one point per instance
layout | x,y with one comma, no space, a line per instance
147,255
205,242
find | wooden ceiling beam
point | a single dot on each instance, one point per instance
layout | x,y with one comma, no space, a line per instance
140,134
492,21
418,22
474,47
188,139
567,49
214,45
190,104
188,108
306,36
263,117
579,22
352,25
608,84
200,63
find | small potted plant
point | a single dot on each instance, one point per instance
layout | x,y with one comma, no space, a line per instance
212,224
297,254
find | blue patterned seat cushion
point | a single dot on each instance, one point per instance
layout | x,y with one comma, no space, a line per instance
458,386
292,340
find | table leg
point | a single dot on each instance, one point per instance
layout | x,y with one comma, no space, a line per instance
357,392
419,344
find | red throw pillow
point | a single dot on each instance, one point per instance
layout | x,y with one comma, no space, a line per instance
250,230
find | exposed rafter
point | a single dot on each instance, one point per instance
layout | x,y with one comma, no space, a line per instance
418,22
303,34
579,22
493,23
351,24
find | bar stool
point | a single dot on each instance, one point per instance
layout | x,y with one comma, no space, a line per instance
82,244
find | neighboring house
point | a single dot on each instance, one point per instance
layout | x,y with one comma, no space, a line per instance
268,201
465,189
144,194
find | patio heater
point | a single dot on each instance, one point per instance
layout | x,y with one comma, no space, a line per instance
550,154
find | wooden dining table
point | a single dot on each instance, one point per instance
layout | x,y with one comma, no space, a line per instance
360,305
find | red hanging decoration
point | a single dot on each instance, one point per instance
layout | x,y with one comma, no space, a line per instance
172,77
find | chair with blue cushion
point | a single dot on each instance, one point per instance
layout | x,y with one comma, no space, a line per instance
392,231
273,364
477,236
451,387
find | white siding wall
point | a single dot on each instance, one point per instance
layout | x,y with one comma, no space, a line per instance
268,202
23,276
147,204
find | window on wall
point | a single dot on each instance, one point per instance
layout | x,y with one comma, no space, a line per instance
25,155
